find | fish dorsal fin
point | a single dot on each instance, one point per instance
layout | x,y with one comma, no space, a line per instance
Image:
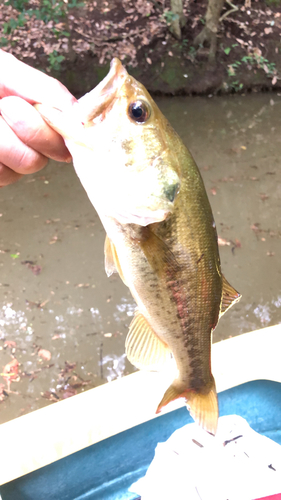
202,407
229,296
111,261
144,349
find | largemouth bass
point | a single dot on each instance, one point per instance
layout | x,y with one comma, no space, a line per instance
161,235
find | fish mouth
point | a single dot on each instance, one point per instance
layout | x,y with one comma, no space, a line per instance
71,123
100,99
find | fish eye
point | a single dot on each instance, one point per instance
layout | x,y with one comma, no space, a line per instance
139,111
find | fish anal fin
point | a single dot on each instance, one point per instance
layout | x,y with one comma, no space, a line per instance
111,261
203,407
144,349
229,296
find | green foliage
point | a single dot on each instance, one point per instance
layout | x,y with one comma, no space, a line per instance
18,4
13,24
192,53
55,60
273,2
253,60
170,16
236,86
227,50
261,62
50,10
3,41
14,255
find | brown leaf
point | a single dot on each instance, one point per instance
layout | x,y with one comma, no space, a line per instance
69,367
263,196
223,242
256,228
10,343
10,371
68,392
3,393
213,191
44,354
50,395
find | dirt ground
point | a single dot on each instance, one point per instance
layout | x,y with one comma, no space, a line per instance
84,42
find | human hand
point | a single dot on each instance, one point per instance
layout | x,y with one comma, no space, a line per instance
26,141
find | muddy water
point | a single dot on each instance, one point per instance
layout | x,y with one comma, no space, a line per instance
54,294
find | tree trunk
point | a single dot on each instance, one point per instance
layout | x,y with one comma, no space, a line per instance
179,19
209,32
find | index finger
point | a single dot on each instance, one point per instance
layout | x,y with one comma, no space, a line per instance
19,79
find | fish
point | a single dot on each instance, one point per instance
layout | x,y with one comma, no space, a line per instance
160,232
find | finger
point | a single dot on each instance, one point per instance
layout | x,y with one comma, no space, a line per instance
30,127
32,85
16,155
7,176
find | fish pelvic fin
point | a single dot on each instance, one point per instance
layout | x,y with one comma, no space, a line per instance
203,407
229,296
144,349
111,261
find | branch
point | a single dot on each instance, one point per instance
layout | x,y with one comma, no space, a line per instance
234,9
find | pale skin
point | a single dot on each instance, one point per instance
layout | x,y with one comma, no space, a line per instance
26,141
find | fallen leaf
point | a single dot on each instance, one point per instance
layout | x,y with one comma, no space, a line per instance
149,60
3,393
50,395
213,191
10,372
10,343
270,254
263,196
53,240
56,336
68,392
44,354
33,267
237,243
222,242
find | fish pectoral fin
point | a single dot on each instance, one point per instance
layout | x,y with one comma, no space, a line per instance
203,408
158,253
111,261
229,296
143,347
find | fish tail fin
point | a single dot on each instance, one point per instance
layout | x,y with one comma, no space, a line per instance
203,407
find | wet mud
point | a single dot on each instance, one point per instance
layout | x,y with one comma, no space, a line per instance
64,321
